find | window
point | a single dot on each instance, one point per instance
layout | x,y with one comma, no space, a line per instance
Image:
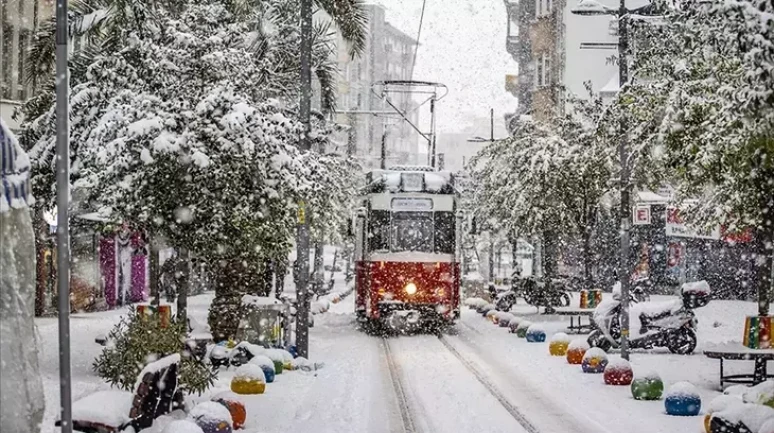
412,231
379,230
543,8
543,70
538,8
445,233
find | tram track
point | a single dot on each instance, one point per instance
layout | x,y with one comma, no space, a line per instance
407,419
481,377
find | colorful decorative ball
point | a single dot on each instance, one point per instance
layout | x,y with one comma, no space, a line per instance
504,319
682,399
514,325
212,417
576,350
267,365
249,379
235,407
647,386
536,333
558,344
618,372
521,330
594,361
491,316
707,420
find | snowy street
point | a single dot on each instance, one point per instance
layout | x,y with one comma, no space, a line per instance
474,377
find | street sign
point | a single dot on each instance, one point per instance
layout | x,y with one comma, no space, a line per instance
641,215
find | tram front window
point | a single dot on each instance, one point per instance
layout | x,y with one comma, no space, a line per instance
412,231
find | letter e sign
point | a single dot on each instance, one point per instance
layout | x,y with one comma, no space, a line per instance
641,215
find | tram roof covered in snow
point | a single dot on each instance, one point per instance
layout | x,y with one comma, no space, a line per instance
410,179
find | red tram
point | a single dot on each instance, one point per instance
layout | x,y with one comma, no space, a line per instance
407,249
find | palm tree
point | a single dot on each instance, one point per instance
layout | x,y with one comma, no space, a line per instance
99,26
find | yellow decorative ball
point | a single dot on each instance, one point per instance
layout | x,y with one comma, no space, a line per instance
249,379
558,345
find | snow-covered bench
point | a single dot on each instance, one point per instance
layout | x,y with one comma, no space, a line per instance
738,352
156,393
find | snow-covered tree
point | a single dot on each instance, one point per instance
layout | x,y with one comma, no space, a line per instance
547,180
184,133
708,81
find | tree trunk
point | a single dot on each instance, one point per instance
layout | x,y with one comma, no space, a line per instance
319,249
155,288
550,251
588,256
183,285
236,277
42,278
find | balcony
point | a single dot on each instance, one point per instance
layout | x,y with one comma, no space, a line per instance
513,46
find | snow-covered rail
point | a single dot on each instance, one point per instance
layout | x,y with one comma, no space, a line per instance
486,383
397,384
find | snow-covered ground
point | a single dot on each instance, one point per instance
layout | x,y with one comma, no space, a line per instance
355,392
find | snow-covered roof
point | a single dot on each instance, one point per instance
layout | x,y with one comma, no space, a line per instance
650,197
412,180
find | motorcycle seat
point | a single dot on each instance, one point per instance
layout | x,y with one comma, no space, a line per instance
648,312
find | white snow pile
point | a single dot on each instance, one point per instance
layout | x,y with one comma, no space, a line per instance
618,364
212,411
723,402
218,352
183,426
104,407
595,352
306,365
578,343
156,366
524,324
252,349
262,361
489,307
760,393
682,389
258,301
696,287
250,373
650,309
475,302
754,416
560,337
536,327
320,306
767,427
280,355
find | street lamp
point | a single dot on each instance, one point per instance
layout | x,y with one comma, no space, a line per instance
595,8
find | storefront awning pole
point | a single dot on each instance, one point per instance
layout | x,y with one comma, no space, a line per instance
62,203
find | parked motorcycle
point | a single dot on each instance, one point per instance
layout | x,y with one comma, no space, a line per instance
540,293
670,324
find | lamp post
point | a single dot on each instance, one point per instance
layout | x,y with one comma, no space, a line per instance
594,8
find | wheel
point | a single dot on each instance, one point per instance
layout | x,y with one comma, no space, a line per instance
682,342
598,339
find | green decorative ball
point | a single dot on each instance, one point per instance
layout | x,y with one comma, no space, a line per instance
647,388
278,367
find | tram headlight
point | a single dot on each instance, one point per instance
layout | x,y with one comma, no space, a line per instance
410,288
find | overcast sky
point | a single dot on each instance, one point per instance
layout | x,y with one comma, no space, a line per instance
463,46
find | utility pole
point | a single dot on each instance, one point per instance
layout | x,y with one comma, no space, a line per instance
302,239
623,155
63,217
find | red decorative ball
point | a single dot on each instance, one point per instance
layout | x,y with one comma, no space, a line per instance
618,372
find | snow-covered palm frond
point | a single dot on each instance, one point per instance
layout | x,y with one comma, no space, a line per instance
351,18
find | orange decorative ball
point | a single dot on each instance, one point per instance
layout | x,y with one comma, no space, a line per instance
235,407
576,350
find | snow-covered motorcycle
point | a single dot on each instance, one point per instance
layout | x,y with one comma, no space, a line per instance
671,324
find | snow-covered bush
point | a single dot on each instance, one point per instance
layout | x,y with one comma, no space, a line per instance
137,340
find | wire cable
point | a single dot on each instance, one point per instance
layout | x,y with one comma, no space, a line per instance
419,34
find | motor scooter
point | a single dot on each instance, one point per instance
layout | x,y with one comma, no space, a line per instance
671,324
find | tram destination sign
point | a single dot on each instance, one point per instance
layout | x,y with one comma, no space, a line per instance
411,204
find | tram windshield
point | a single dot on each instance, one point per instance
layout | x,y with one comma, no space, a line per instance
428,232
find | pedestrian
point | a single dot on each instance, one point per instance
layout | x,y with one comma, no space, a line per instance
21,388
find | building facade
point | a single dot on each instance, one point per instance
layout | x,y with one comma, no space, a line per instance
20,19
558,52
388,55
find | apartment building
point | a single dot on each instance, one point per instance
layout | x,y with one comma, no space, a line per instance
388,55
558,52
20,19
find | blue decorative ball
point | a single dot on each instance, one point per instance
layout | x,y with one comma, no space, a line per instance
293,350
536,334
268,372
212,426
682,405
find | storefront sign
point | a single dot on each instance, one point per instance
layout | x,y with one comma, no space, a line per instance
641,215
676,227
412,204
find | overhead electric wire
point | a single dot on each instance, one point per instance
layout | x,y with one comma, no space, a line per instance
419,34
